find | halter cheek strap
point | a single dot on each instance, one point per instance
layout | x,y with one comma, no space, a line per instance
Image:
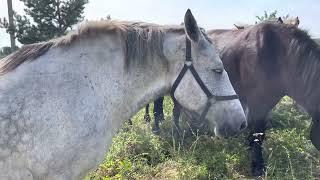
188,65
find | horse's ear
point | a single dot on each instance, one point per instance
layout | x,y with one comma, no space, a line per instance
315,133
280,21
238,27
297,22
191,27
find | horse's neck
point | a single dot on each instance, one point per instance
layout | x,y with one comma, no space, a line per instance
310,102
130,89
120,90
141,87
303,85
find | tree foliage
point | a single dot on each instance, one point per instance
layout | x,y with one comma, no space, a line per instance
5,51
46,19
268,17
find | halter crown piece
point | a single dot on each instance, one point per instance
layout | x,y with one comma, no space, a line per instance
188,65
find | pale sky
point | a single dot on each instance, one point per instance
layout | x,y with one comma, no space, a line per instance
210,14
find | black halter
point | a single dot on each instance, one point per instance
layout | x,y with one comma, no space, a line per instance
188,65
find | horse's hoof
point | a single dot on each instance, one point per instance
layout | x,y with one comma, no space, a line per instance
156,131
258,171
147,118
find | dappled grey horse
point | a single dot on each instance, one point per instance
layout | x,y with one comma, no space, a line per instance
62,101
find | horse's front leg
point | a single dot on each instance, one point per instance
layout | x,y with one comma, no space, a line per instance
158,114
256,138
175,118
146,115
257,124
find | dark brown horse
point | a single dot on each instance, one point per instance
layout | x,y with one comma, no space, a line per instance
266,62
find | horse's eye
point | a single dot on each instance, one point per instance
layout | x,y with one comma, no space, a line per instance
218,70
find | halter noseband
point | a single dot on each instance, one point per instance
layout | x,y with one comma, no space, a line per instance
188,65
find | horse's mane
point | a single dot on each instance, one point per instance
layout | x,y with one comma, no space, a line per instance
294,48
25,53
307,53
300,42
271,42
140,40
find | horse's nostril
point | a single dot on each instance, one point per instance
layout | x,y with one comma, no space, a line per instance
243,126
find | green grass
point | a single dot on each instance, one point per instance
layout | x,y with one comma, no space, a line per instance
137,153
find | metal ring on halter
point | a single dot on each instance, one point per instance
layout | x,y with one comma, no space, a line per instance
188,65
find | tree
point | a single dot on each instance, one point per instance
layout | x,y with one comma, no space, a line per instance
4,51
10,25
46,19
268,17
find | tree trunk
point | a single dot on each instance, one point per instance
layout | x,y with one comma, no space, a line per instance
11,25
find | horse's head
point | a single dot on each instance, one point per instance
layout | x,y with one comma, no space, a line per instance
202,87
290,21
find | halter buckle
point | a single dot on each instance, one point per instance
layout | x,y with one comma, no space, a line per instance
212,99
188,63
